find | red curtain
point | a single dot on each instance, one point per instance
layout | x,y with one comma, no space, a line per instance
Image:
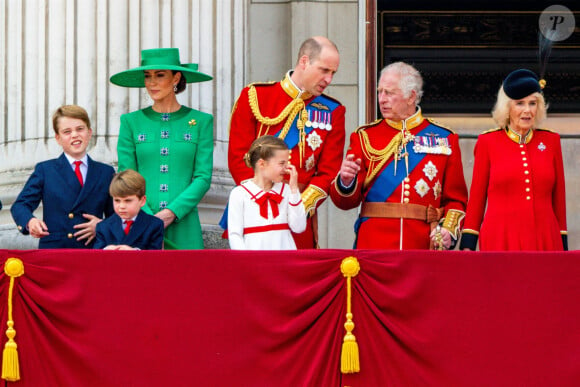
224,318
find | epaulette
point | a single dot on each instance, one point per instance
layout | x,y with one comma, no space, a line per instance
363,127
268,83
440,125
332,99
546,130
492,130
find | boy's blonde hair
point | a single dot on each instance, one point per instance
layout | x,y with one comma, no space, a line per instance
263,148
71,111
127,183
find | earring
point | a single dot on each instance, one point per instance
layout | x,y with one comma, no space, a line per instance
175,88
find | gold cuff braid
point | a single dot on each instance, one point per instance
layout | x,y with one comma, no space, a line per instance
311,196
452,222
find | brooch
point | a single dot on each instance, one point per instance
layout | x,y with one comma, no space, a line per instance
542,147
192,123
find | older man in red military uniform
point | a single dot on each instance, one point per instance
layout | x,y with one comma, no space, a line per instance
296,110
406,170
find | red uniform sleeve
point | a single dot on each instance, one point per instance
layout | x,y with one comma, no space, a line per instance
354,198
243,127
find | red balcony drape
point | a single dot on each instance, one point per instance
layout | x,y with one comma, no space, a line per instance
225,318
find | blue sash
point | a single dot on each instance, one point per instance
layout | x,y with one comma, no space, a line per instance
387,181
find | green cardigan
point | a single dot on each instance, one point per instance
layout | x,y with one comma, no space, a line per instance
174,153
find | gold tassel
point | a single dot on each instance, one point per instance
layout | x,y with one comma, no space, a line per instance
10,367
349,358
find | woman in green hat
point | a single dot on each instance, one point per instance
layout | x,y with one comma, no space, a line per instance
169,144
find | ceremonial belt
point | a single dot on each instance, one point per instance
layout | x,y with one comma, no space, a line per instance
270,227
428,214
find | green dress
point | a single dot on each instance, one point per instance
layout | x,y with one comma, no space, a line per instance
174,153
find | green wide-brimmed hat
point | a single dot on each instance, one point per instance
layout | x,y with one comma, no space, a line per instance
158,59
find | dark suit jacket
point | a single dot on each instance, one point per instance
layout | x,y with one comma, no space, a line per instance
64,201
146,233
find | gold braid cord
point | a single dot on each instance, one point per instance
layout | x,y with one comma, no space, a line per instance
349,357
288,113
379,156
13,267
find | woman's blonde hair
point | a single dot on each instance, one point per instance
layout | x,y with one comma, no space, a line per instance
263,148
501,110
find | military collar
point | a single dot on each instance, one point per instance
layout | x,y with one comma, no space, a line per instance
408,123
518,138
291,89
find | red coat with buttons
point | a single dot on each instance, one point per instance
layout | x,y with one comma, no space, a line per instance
523,188
437,180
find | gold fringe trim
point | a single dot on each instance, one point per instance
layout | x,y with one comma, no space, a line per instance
349,357
10,366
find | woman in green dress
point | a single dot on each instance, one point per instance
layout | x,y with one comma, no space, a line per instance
169,144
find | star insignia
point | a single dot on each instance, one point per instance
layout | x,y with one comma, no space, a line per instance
314,140
430,170
437,189
421,187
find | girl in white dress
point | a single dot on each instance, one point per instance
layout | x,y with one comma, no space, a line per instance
263,210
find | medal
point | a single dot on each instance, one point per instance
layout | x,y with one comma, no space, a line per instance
328,123
308,122
315,123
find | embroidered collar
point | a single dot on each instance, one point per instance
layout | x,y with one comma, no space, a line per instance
291,89
409,123
518,138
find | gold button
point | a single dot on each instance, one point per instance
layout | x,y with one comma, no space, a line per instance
407,180
527,172
71,215
528,198
527,190
525,158
407,186
525,164
523,152
406,200
406,193
527,180
521,145
70,235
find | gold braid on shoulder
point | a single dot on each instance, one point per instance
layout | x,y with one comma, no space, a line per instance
289,113
377,155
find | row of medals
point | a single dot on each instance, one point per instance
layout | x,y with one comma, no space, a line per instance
321,120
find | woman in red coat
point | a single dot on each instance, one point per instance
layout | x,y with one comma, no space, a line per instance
519,174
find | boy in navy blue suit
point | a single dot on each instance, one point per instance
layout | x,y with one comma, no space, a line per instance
72,188
130,228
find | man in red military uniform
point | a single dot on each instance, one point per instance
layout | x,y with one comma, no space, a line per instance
296,110
406,170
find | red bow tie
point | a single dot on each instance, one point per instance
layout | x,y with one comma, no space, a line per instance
274,199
